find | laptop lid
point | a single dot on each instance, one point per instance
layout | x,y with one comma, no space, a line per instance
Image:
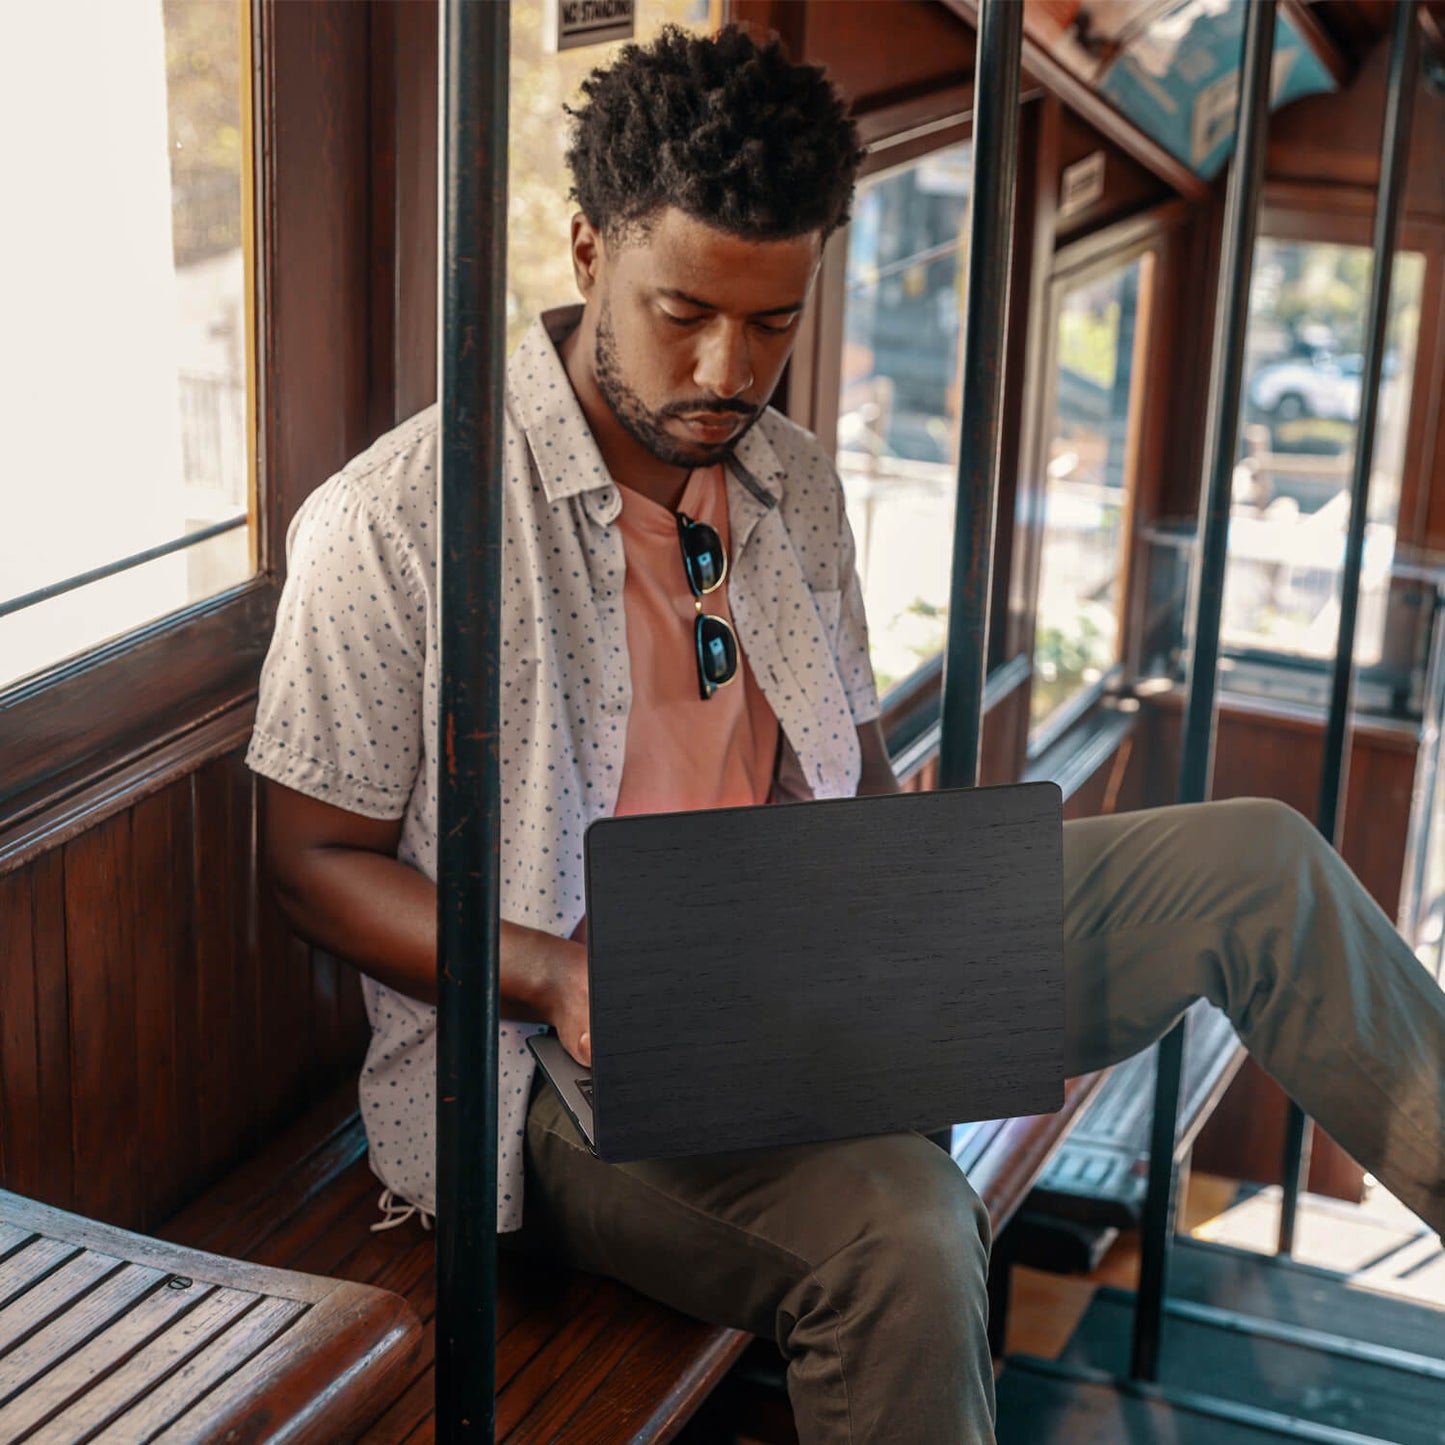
821,970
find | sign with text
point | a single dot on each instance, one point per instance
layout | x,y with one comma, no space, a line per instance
574,23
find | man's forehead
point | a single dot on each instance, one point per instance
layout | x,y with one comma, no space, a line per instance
679,253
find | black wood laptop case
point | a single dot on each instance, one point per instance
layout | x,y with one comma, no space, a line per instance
821,970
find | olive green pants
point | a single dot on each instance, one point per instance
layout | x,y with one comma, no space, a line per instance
866,1260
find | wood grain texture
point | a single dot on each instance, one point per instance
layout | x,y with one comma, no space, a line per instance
195,1345
157,1015
741,962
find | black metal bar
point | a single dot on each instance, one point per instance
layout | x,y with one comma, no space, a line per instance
1394,154
1226,376
472,362
994,154
110,569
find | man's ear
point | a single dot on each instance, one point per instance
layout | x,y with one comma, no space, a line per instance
588,252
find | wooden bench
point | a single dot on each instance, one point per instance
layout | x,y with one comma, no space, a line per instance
578,1358
108,1335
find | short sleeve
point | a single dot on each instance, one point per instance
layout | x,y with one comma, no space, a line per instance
339,716
854,664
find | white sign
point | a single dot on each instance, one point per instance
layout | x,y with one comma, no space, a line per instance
1081,185
573,23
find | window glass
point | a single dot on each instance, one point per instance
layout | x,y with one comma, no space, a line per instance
899,399
127,322
1290,500
539,266
1096,400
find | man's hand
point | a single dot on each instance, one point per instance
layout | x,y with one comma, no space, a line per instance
567,999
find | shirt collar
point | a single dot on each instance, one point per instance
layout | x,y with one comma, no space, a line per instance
561,442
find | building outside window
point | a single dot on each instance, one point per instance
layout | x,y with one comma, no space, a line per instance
1290,502
898,403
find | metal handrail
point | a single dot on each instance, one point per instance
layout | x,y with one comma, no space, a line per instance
994,166
1394,154
125,564
472,362
1226,376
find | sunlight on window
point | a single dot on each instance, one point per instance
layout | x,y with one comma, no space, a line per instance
1098,368
126,326
1290,503
899,399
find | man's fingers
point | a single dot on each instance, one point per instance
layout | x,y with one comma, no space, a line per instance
584,1046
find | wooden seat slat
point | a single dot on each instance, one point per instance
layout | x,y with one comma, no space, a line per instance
213,1362
68,1332
185,1346
12,1237
27,1266
147,1367
52,1294
70,1374
584,1332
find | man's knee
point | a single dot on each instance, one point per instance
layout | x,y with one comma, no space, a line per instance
1265,834
917,1226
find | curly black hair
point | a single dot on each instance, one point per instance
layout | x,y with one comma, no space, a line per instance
730,132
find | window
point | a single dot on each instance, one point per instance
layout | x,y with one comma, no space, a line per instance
898,403
1096,401
126,296
1290,503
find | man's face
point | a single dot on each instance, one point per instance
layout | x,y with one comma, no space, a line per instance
693,327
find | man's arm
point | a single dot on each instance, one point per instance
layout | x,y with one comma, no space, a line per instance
341,885
877,775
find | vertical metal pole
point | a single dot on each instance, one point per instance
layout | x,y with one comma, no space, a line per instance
1394,153
985,328
472,359
1206,598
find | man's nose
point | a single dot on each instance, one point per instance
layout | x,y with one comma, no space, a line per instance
724,365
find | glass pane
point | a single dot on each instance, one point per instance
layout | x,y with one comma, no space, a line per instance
1291,494
1089,473
899,398
124,297
540,209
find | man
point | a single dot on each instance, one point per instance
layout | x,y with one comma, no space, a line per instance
639,675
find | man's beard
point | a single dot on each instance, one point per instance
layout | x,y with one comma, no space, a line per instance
646,427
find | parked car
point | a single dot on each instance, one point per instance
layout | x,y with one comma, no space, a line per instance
1320,386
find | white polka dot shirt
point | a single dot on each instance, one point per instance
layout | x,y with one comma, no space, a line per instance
348,706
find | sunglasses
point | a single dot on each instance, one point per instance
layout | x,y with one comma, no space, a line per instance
706,565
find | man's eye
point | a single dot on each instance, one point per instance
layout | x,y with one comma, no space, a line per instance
677,320
778,329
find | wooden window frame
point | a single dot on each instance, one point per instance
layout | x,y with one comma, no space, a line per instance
334,109
1095,256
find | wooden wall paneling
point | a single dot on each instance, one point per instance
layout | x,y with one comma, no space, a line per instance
100,910
243,883
20,1141
164,943
786,19
222,1089
881,51
52,1017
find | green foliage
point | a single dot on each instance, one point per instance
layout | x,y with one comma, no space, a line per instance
1089,343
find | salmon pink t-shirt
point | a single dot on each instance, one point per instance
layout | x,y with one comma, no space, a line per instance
684,753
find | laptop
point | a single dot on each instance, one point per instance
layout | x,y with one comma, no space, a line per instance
821,970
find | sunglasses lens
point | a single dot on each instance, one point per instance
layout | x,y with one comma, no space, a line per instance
702,555
717,652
